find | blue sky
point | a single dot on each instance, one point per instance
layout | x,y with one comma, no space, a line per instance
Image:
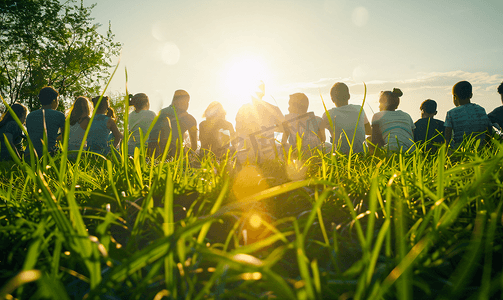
215,48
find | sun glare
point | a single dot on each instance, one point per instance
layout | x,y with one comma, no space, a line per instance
242,78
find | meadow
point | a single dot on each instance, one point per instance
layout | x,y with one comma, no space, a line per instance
308,226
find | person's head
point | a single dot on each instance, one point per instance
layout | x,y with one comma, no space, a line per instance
214,111
462,93
428,108
298,103
500,91
389,100
48,96
103,108
140,102
181,100
80,110
111,113
340,94
19,109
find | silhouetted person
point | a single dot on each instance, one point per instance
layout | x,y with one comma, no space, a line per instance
299,123
392,129
429,130
46,119
496,116
11,130
466,119
79,120
257,115
215,133
101,127
139,119
344,118
167,123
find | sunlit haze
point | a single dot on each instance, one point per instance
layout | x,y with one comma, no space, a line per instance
217,50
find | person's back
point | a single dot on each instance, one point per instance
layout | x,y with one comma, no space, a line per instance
174,120
215,133
11,130
139,119
97,139
344,119
496,116
306,126
298,122
392,129
79,119
47,120
429,130
466,119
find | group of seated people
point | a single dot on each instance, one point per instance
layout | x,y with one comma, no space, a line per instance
349,127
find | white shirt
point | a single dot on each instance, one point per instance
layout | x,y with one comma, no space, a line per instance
344,119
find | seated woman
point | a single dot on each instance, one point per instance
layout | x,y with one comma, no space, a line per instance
215,133
392,129
139,119
79,119
102,125
11,130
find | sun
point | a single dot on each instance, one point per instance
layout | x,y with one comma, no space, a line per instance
242,77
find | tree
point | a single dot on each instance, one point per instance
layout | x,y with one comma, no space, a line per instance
46,42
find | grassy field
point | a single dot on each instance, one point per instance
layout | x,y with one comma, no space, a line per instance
311,226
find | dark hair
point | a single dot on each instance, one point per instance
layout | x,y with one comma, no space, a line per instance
462,90
111,113
180,95
299,101
214,110
103,103
429,106
500,89
80,110
139,101
19,109
339,93
392,98
47,94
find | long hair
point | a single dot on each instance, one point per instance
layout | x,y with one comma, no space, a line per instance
19,109
80,110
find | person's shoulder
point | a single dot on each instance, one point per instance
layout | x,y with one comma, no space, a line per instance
11,127
421,121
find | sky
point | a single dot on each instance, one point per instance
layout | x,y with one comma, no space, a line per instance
217,50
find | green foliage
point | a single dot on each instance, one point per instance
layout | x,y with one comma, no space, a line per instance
384,228
50,42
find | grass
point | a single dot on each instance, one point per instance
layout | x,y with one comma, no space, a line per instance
381,227
320,226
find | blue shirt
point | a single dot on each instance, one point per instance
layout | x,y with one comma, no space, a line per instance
467,119
54,121
97,138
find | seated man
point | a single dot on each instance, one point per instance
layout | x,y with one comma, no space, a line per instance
466,119
496,116
301,123
45,120
429,130
344,118
176,120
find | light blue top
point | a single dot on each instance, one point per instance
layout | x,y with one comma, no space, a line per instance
97,139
